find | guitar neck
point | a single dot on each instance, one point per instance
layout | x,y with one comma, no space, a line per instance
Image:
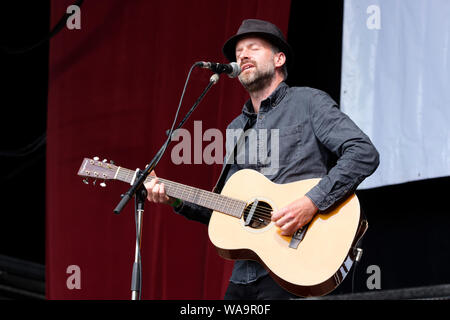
200,197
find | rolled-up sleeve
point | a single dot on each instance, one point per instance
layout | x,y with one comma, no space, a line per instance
357,157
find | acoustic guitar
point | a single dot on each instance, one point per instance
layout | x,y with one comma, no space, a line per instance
312,262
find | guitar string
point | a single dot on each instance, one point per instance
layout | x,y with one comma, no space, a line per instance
263,213
260,212
127,175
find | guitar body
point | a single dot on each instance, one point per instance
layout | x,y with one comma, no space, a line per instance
313,262
321,260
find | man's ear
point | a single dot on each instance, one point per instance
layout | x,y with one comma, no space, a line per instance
280,59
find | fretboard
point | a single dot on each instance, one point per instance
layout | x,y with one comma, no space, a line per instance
210,200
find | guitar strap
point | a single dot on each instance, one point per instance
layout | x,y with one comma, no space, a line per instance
231,158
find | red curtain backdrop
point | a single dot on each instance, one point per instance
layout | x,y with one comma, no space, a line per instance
113,91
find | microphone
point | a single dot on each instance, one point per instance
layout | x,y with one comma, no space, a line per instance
232,69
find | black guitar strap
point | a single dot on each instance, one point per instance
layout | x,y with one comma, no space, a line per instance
230,160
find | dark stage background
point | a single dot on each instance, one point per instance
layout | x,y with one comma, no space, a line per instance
110,90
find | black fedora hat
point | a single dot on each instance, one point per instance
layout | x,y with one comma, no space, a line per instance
258,28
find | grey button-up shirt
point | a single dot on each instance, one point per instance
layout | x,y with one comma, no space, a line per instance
304,135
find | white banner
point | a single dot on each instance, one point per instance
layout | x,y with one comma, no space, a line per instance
396,84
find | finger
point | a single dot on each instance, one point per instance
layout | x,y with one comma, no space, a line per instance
153,173
155,193
284,219
151,191
155,190
162,194
289,228
149,186
276,215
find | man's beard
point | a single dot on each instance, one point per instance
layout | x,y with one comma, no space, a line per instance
258,79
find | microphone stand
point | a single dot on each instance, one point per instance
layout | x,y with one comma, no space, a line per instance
136,281
138,190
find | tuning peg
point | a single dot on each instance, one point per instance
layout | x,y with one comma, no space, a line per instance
112,162
104,160
103,184
93,183
86,180
96,158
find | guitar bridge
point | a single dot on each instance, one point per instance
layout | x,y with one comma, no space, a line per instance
297,237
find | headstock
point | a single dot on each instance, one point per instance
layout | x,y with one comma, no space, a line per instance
97,170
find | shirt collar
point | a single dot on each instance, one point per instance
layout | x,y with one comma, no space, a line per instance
269,103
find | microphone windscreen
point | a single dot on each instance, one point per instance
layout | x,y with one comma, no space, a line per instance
236,70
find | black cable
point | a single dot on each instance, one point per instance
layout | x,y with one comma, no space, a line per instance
23,166
27,150
169,138
353,275
58,27
358,251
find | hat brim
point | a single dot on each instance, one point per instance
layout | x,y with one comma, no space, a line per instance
229,48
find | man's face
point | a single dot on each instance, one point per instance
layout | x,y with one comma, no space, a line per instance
255,56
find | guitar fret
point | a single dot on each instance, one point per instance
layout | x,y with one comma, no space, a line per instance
208,199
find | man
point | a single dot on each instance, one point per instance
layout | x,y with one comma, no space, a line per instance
313,133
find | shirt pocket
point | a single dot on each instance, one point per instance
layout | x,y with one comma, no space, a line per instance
290,141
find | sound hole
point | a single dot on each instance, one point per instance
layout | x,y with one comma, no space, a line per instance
261,215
